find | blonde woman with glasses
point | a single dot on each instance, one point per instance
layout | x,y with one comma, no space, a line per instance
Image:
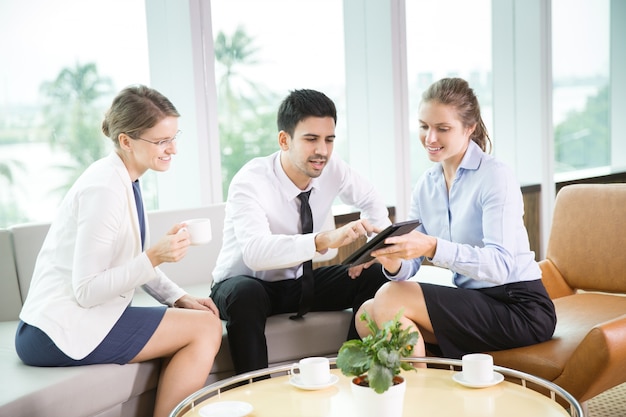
97,252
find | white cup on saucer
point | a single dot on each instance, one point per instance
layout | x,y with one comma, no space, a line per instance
477,368
199,230
314,370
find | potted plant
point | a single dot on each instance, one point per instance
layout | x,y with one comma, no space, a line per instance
375,363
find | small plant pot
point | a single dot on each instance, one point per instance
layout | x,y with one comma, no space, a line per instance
369,403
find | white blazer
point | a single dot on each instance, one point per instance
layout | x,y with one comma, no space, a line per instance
91,262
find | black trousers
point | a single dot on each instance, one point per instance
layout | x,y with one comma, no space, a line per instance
246,302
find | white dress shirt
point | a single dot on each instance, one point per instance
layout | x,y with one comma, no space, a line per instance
91,262
262,234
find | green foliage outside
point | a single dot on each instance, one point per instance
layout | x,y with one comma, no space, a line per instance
583,139
9,168
10,211
69,121
73,109
11,214
247,112
75,101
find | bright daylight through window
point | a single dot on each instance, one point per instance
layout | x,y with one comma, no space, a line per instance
580,35
53,97
263,54
70,57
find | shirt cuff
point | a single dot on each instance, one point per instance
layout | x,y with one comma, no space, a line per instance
444,254
403,274
173,298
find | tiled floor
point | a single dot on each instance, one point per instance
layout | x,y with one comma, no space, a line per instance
611,403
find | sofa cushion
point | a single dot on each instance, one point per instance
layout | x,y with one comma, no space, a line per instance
575,320
27,242
319,333
9,288
197,266
68,392
587,241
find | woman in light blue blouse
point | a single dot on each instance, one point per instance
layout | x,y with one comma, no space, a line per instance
471,209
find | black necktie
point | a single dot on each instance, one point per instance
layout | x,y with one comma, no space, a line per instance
306,220
140,215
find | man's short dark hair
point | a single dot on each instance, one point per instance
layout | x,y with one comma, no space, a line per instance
299,105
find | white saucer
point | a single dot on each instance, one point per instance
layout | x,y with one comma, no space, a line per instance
226,409
497,378
296,382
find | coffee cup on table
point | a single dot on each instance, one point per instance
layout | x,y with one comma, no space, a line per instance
199,230
477,368
314,370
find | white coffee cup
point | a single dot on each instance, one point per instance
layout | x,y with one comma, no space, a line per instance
199,231
477,368
313,371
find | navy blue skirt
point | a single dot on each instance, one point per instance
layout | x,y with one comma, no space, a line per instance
125,340
497,318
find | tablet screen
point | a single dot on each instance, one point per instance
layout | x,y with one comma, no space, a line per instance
362,255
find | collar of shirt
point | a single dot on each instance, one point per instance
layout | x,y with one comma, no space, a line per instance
471,161
473,157
286,185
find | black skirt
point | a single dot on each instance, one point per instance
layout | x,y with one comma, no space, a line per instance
497,318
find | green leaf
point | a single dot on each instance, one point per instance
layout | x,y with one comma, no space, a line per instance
407,366
380,378
352,359
379,354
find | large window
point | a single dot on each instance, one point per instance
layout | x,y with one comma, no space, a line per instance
61,66
63,61
260,55
447,38
580,60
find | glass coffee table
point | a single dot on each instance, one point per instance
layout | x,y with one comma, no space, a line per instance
435,390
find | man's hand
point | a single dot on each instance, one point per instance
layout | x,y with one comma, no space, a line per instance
344,235
356,270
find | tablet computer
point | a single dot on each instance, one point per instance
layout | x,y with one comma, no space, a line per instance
362,255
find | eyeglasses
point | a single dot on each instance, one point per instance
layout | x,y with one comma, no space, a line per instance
162,143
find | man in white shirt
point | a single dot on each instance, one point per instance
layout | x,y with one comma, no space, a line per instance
265,253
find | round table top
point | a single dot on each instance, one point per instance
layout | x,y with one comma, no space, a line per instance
429,392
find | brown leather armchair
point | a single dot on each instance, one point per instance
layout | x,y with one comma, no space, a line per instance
585,275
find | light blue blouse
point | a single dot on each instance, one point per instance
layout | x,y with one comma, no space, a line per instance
479,226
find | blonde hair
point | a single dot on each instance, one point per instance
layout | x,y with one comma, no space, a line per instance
457,93
134,110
